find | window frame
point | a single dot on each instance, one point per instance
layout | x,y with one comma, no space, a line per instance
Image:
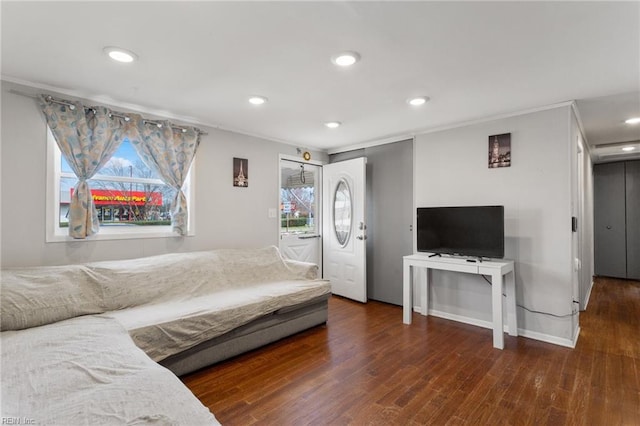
55,233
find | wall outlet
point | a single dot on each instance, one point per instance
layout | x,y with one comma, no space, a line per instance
272,213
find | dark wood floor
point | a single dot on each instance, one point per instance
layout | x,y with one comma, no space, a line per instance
366,367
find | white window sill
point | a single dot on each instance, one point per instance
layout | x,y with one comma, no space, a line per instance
109,233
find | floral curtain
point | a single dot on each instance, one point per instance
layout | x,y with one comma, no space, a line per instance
170,152
87,138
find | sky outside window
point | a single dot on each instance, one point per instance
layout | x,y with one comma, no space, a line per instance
125,155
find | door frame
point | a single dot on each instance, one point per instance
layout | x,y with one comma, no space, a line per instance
318,218
582,273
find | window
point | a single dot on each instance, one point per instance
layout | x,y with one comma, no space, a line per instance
130,198
298,191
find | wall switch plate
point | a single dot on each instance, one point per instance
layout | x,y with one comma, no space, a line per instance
272,213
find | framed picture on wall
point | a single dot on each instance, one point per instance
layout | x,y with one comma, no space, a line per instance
500,150
241,172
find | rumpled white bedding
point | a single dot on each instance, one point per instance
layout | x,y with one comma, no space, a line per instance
34,296
162,330
87,371
41,295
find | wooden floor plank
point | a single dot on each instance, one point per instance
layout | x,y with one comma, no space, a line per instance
367,368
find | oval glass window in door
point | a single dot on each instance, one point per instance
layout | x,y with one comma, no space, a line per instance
342,217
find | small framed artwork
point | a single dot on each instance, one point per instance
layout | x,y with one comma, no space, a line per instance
500,150
241,172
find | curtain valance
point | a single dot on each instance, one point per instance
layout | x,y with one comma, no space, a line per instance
116,114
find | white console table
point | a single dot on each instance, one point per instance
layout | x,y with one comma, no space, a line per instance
496,269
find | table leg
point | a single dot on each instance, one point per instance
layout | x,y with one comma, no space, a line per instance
496,308
424,288
407,293
512,316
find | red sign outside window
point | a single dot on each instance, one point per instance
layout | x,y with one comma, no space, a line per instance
109,197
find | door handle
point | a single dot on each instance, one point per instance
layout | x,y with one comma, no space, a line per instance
608,226
308,237
361,237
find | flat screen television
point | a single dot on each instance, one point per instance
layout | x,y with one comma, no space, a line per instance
466,231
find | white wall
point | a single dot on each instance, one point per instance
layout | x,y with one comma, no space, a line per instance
226,216
451,170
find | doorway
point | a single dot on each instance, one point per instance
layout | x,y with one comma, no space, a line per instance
300,211
390,211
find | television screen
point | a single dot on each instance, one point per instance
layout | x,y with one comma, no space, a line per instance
466,231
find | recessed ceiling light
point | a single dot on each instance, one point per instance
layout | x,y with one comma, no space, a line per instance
346,59
420,100
628,148
257,100
332,124
119,54
634,120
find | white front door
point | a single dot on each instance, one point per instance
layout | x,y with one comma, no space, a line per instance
300,190
344,228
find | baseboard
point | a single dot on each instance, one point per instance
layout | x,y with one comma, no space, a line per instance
521,332
460,318
576,335
567,343
586,299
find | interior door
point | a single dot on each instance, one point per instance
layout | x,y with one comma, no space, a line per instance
300,190
632,185
344,228
609,220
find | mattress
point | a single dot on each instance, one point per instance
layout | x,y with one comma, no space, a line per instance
87,371
262,331
165,329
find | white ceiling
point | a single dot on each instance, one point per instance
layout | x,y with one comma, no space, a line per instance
200,61
603,121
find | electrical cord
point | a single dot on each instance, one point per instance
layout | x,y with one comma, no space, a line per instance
534,311
548,313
